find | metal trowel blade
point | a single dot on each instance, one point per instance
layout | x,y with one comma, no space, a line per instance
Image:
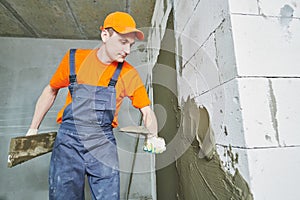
135,129
25,148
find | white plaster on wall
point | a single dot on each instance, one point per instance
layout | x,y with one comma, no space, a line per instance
163,24
288,110
157,31
154,45
158,13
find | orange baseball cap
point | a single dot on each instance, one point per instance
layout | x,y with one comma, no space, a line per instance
122,23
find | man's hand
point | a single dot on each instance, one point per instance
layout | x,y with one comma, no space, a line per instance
32,131
154,145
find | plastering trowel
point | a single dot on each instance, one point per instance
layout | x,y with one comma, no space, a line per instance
135,129
25,148
152,144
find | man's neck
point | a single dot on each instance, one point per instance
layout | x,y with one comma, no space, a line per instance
102,56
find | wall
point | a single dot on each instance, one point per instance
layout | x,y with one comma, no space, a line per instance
26,65
165,107
266,44
237,76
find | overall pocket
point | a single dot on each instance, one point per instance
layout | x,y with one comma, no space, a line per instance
100,112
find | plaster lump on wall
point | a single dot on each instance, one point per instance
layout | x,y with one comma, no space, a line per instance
201,173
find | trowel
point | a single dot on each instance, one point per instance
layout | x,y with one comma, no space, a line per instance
151,144
135,129
25,148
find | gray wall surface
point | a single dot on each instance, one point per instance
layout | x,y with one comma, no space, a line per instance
26,66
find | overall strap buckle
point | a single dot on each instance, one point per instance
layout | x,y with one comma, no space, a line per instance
72,76
114,79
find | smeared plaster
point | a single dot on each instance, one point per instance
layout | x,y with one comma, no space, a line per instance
286,11
273,109
205,177
195,123
231,158
286,17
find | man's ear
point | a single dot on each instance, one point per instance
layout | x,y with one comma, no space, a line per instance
104,35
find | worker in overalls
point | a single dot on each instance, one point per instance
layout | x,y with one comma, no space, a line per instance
98,80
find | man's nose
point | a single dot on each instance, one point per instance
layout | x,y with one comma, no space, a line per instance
127,49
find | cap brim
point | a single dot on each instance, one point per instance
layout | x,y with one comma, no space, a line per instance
139,34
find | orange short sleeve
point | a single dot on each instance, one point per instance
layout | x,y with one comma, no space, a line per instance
140,99
60,78
134,87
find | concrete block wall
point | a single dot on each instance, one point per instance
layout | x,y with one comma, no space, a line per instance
239,60
266,45
208,70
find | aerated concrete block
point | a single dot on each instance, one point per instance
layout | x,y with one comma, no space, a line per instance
207,16
274,173
258,114
225,112
225,55
285,8
250,113
181,7
204,69
266,46
200,74
286,99
190,82
243,6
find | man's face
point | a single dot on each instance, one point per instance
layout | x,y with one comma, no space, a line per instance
118,46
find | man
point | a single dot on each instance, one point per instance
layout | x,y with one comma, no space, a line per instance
98,80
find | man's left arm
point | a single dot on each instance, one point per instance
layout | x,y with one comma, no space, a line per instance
149,120
153,143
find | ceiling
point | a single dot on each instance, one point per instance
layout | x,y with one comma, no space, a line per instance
66,19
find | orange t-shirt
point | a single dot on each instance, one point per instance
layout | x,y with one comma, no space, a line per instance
91,71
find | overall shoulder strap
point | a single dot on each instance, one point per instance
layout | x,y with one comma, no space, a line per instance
72,76
114,79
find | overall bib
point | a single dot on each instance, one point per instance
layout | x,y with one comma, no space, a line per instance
85,143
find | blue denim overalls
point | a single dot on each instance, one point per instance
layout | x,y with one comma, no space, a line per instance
85,143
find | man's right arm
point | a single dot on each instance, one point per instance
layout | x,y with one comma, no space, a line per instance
43,104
